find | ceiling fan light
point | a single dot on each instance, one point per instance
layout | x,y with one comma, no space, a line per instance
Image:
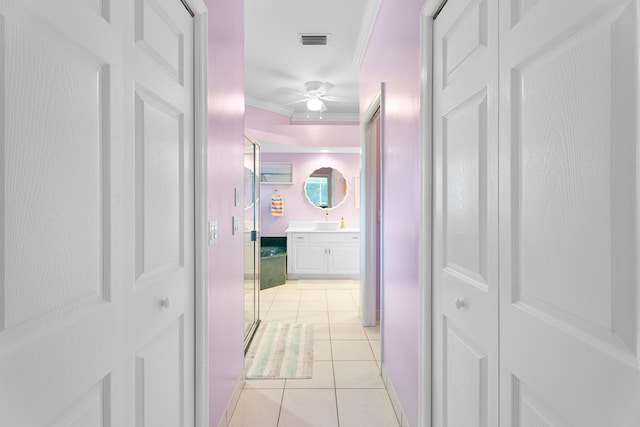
314,104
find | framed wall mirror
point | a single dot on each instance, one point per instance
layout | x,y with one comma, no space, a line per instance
326,188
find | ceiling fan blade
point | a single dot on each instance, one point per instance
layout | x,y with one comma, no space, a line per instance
286,89
332,98
326,87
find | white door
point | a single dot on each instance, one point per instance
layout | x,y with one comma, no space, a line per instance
160,299
465,245
97,217
569,213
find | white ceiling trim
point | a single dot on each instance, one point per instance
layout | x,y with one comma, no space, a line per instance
325,117
302,117
366,28
274,108
274,147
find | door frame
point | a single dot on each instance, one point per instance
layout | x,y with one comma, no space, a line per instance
430,9
369,268
201,131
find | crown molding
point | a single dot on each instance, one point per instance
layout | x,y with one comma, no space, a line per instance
274,147
274,108
302,117
325,117
366,28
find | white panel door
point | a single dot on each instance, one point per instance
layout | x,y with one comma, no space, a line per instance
60,292
159,126
465,263
96,217
569,178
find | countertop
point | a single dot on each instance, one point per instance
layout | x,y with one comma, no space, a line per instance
311,229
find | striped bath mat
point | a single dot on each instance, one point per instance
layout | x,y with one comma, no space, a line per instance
281,350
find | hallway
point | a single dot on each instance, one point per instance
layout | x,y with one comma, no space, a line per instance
346,389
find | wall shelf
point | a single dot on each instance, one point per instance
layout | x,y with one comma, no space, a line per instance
276,173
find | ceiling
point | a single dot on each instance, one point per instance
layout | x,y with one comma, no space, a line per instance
277,65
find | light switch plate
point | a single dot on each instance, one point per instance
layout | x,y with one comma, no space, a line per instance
213,232
236,224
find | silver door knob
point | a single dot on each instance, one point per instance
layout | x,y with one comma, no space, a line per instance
165,303
459,303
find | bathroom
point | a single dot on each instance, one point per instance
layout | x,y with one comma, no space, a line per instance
283,166
296,205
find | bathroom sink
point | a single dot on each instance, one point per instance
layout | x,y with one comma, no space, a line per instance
327,225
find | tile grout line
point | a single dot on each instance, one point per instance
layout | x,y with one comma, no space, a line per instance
285,293
333,366
281,403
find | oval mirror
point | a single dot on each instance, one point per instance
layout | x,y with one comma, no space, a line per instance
326,188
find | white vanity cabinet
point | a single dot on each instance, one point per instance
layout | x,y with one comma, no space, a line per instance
326,254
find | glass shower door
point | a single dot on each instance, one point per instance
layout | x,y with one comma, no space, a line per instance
251,238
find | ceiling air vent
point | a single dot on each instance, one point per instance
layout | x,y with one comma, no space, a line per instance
313,39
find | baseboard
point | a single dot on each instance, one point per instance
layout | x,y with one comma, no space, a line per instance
233,401
402,419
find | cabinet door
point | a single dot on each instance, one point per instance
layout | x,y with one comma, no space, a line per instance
343,259
309,259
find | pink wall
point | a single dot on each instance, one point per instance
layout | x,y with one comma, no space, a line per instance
296,206
393,57
226,140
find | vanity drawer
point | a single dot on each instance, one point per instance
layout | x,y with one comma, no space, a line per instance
334,237
352,237
299,237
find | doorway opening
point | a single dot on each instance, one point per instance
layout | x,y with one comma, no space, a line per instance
371,271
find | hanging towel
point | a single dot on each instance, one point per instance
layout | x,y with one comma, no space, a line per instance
277,205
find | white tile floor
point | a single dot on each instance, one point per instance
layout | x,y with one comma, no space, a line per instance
346,389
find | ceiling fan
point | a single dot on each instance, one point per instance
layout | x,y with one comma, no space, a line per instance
315,94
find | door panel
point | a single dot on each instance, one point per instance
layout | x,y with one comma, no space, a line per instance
89,410
465,375
532,410
56,288
160,379
160,72
569,213
465,204
159,193
46,375
54,174
86,265
159,34
465,39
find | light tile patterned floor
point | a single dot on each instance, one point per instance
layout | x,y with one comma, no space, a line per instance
346,389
